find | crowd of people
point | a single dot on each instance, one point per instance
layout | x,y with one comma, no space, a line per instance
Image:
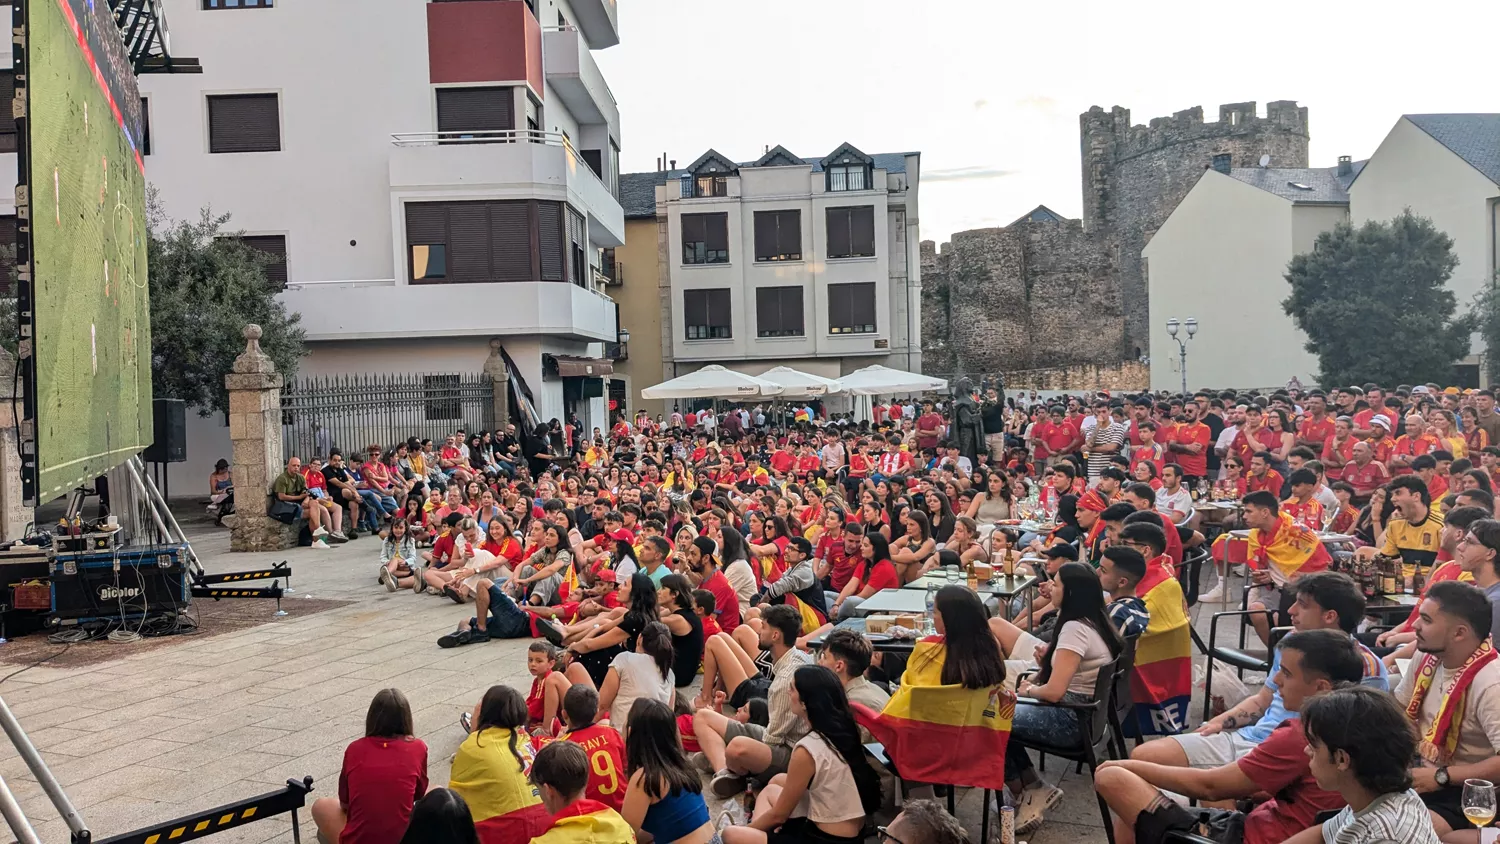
723,546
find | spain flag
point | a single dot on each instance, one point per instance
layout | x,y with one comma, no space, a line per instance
943,734
1162,683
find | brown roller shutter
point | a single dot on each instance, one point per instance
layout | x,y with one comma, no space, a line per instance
550,241
510,240
7,119
862,230
475,110
718,309
862,296
244,123
716,232
791,312
838,232
274,247
426,223
765,235
468,242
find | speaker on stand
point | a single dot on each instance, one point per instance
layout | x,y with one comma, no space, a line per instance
169,443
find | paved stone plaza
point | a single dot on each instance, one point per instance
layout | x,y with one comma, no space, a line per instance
202,721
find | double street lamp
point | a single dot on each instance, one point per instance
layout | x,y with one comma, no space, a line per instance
1192,328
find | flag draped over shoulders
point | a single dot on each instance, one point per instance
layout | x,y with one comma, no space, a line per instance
1286,549
940,733
1161,683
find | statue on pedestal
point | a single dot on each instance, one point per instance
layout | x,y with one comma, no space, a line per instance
968,427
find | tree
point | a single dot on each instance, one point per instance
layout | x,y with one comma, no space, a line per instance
205,285
1375,305
1485,311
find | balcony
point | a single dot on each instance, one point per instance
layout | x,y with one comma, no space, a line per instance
362,310
576,78
506,165
599,20
492,41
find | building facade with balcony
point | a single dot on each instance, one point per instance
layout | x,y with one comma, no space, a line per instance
809,263
430,176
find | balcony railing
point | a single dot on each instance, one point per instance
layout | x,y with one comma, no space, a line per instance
610,276
617,351
484,136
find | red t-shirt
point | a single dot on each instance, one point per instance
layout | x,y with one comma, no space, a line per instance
1154,456
690,420
1193,465
1055,437
508,549
808,463
1410,447
930,421
1272,483
841,563
882,576
441,548
535,700
878,413
859,465
1344,450
1316,431
606,753
783,461
1279,766
380,781
314,480
726,602
1267,437
1365,479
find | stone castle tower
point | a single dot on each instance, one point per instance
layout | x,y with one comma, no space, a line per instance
1046,291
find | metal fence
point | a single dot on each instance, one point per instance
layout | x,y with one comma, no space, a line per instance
351,412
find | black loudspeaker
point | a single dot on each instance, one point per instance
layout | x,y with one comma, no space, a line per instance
593,388
170,446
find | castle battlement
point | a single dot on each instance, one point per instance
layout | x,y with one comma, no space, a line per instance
1113,130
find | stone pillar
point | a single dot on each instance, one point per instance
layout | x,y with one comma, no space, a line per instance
14,514
494,367
255,435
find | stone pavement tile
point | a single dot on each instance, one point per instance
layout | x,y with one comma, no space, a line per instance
75,770
314,693
1078,805
304,678
51,739
392,665
138,781
1059,832
114,732
236,768
321,762
70,715
342,728
437,720
309,715
210,752
252,684
127,813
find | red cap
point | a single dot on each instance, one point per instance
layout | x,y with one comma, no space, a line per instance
608,576
621,535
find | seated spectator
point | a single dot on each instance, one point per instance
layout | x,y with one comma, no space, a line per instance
872,573
602,743
548,686
317,487
674,600
290,491
1121,569
703,566
847,654
489,771
1360,744
1479,556
561,776
645,672
1397,642
705,606
399,564
540,576
1281,550
1451,692
1323,601
1312,662
594,651
829,787
383,775
442,817
923,822
665,796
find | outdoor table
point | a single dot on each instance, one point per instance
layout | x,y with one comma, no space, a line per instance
1325,538
878,641
1391,605
1001,586
897,601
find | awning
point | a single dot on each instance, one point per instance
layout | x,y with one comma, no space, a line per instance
571,367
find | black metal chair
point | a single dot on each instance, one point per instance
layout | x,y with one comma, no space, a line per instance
877,752
1191,571
1094,718
1237,656
1121,701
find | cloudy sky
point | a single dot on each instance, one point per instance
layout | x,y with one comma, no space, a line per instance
990,92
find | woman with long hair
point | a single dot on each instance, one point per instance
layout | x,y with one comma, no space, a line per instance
736,562
645,672
828,789
915,552
1476,439
995,503
399,560
383,774
872,517
1445,428
972,658
664,797
674,598
874,572
1085,642
1145,472
489,771
442,817
592,655
940,513
500,540
1280,424
541,574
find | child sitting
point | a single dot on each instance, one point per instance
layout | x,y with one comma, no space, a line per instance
601,742
399,564
561,773
547,688
704,605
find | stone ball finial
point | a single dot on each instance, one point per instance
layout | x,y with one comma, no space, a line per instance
252,332
253,359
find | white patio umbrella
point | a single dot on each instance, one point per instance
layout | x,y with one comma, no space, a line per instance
797,384
710,382
882,380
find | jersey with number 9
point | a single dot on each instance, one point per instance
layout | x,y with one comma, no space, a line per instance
606,754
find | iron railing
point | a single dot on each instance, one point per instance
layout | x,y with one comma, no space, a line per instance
352,412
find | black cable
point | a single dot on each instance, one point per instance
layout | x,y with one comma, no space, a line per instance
47,658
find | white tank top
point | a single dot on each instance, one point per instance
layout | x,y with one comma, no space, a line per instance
832,795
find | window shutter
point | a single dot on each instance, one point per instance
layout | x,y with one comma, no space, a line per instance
767,312
716,231
7,118
549,221
692,228
244,123
426,223
838,306
789,232
510,241
838,232
765,235
8,256
718,307
791,311
468,242
475,110
695,308
862,230
862,305
273,246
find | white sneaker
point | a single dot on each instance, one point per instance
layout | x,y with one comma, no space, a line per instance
322,531
1035,801
1214,595
321,545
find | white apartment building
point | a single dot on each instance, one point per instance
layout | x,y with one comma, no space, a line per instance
784,261
435,174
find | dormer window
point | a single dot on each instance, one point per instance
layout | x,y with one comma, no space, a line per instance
711,185
849,177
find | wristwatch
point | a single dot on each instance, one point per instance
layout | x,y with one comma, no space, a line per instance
1441,777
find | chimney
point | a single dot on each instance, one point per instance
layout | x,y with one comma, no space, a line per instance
1346,166
674,165
1221,163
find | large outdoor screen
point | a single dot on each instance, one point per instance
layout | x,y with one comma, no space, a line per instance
90,387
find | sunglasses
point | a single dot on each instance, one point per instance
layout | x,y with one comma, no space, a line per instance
885,835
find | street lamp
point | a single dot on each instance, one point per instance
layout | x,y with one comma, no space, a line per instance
1192,328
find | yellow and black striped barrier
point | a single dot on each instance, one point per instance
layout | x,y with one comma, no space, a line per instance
229,816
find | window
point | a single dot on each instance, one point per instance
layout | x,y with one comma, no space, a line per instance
778,312
705,313
145,125
441,397
711,186
848,177
778,235
8,256
273,246
705,238
481,242
244,123
578,265
851,308
851,232
237,4
469,113
7,122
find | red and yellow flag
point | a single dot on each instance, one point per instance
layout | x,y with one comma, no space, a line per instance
943,733
491,777
1162,683
1286,549
586,822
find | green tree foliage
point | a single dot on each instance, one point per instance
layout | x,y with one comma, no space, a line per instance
1375,305
1486,314
205,286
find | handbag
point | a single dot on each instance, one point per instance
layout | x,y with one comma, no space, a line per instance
285,511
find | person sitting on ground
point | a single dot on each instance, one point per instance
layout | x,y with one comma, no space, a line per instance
703,566
383,774
1322,601
489,771
497,616
594,652
440,554
829,788
645,672
674,601
705,606
923,822
664,798
399,568
602,742
548,686
1451,693
538,580
847,654
737,750
442,817
560,774
459,577
1312,662
1121,569
317,487
1360,743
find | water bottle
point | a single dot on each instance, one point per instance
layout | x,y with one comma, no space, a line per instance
931,604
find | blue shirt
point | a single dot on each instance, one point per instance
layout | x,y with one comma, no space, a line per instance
1376,677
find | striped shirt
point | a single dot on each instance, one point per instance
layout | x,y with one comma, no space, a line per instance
1399,817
